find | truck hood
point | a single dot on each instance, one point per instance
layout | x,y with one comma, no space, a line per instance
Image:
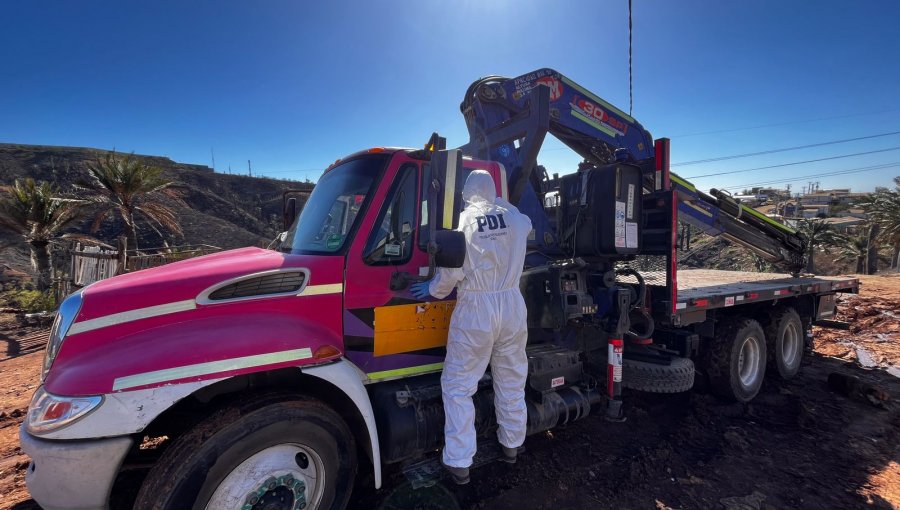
162,326
185,280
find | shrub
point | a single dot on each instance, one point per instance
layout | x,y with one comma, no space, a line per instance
30,301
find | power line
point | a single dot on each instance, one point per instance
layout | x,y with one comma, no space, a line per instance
786,149
827,174
788,123
630,85
794,163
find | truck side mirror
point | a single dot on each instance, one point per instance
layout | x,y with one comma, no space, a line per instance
450,248
289,213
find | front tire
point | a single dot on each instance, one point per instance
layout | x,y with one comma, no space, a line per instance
271,451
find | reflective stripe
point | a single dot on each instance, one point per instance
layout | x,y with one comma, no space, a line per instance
315,290
504,191
450,188
682,182
584,118
402,372
596,99
212,367
132,315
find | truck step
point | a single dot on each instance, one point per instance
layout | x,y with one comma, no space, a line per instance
428,471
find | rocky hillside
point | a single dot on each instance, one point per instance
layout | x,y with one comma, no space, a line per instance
223,210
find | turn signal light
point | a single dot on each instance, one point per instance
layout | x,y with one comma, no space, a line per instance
326,352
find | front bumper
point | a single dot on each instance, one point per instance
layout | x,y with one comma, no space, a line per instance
73,475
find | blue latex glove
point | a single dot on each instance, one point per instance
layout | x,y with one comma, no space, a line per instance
420,290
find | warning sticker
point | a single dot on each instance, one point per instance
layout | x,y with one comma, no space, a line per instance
630,212
557,381
620,225
631,234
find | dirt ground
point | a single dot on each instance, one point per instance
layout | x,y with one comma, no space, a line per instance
800,444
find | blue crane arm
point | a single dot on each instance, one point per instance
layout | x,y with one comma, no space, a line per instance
508,118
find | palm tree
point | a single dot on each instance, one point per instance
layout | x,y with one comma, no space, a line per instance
126,187
883,209
34,211
818,233
855,250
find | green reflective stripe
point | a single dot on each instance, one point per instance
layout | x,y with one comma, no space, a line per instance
582,117
682,182
596,99
209,368
765,218
400,372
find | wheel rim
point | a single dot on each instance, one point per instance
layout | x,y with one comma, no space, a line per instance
282,477
748,362
790,345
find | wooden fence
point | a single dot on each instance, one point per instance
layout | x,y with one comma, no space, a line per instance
91,264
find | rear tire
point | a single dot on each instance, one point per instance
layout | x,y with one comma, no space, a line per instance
736,360
653,378
784,341
269,446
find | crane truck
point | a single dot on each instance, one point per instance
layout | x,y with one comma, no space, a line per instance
258,378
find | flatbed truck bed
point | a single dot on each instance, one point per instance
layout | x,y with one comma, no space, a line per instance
701,290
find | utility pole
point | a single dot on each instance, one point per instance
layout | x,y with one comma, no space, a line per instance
249,169
213,154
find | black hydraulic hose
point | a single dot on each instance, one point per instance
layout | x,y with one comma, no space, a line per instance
642,287
648,320
470,92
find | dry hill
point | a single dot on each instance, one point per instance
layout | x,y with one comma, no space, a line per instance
222,209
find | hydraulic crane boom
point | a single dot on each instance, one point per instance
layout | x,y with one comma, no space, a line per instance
508,118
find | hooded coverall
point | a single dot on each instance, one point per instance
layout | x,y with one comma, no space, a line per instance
488,323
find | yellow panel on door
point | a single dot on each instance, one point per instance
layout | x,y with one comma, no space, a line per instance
412,327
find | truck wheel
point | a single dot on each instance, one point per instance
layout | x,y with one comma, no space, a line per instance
653,378
784,340
736,360
266,453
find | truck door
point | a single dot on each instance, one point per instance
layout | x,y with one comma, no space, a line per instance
388,333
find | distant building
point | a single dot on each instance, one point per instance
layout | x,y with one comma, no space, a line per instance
845,225
817,198
772,193
813,211
853,213
853,198
790,210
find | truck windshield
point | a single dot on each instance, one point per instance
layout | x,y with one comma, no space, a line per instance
331,212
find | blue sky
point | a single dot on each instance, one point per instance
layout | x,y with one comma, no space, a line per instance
292,86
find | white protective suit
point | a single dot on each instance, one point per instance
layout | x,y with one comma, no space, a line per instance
489,321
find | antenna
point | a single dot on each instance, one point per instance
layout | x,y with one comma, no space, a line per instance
213,154
249,169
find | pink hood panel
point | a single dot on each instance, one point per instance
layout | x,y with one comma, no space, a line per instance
152,344
184,280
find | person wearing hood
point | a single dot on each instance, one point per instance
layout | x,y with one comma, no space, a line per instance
488,325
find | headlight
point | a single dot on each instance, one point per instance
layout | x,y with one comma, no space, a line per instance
68,310
48,412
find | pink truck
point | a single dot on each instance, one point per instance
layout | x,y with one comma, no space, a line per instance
265,377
